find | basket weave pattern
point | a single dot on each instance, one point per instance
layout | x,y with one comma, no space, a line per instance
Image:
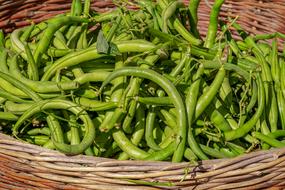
255,16
25,166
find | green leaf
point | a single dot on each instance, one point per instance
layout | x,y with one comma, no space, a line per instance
102,44
114,50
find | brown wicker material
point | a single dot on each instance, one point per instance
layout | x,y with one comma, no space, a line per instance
255,16
26,166
30,166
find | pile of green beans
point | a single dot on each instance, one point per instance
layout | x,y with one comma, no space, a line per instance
143,84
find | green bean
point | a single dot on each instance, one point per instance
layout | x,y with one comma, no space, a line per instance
8,116
53,52
49,144
234,47
157,101
75,135
264,36
162,154
2,38
83,41
254,96
264,129
219,121
248,65
105,64
193,9
59,40
38,140
122,37
209,64
76,8
180,28
212,152
135,46
20,85
10,88
275,71
168,12
113,29
16,43
150,122
129,117
8,43
264,126
17,109
205,53
268,140
134,90
228,153
35,97
74,131
95,105
281,104
32,69
27,32
265,48
237,148
191,103
208,96
273,111
189,155
136,66
95,76
168,118
86,7
12,97
276,134
91,54
282,77
168,138
248,40
245,128
138,131
226,93
128,147
165,37
53,25
151,9
112,120
170,90
62,104
213,24
36,131
73,39
3,61
56,130
266,74
106,16
113,117
41,86
185,34
181,65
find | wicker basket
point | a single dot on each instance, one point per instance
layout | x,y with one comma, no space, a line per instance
26,166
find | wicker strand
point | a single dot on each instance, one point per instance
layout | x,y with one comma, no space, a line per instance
34,166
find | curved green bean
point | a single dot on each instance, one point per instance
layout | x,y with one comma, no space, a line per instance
170,90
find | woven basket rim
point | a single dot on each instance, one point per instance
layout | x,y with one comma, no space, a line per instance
29,157
6,139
